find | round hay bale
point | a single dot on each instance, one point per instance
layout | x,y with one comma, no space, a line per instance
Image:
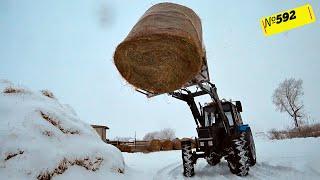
193,142
124,148
166,145
163,51
176,144
154,145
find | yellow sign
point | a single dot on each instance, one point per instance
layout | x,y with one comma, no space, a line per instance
286,20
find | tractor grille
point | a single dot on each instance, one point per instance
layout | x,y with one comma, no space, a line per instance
204,133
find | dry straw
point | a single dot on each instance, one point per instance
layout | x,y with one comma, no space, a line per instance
164,49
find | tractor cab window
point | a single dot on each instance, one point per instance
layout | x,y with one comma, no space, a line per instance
209,118
238,118
229,117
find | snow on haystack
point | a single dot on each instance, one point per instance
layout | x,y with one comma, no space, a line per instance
43,139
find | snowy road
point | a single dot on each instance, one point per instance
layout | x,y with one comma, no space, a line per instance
284,159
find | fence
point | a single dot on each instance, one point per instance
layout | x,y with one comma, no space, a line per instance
131,146
146,146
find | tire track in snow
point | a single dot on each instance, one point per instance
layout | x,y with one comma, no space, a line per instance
167,171
261,171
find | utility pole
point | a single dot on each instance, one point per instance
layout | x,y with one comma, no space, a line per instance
135,140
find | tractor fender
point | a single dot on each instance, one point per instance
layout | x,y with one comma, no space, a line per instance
243,128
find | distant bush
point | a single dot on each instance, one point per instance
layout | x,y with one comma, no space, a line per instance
301,132
276,134
47,93
9,90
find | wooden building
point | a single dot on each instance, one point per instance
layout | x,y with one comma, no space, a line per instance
101,130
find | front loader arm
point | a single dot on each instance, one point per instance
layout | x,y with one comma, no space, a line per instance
189,99
189,96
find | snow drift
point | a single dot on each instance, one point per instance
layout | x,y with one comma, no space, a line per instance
43,139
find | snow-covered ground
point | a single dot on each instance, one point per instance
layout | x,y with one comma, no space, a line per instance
41,138
277,159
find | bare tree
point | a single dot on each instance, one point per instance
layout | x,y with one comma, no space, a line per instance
166,133
150,136
117,138
287,98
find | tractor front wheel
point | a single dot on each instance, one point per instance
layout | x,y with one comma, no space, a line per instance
251,148
187,159
213,159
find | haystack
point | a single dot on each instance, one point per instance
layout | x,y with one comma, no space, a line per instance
193,142
41,139
154,145
166,145
176,144
163,51
124,148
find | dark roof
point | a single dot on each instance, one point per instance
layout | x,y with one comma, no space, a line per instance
99,126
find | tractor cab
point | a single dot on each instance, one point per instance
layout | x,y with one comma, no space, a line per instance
211,133
232,113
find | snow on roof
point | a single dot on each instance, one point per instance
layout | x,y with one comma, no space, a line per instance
99,126
41,138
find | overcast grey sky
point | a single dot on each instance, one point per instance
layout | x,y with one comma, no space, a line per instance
67,47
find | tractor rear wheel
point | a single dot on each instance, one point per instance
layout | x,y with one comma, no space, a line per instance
251,148
238,160
187,158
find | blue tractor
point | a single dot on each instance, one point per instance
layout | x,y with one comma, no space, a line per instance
221,131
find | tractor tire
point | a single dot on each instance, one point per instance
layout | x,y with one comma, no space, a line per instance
213,159
251,148
187,158
238,160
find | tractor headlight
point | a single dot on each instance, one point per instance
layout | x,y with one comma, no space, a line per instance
210,143
201,143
